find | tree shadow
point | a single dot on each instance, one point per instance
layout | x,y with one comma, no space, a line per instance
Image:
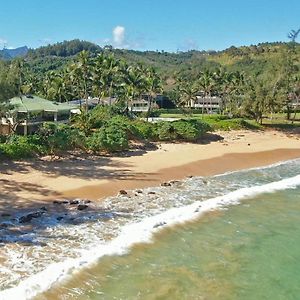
89,168
20,199
290,128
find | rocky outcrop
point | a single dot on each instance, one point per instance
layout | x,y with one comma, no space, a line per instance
27,218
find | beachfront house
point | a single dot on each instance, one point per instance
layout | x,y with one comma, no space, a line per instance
28,112
208,104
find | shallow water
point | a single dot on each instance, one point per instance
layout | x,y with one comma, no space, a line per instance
250,251
196,257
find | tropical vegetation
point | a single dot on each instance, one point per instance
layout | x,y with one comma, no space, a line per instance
253,82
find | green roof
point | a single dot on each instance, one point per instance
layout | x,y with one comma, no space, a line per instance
27,104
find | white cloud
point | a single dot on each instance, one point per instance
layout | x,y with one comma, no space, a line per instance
119,36
121,40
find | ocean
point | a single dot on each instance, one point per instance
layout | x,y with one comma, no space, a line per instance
230,236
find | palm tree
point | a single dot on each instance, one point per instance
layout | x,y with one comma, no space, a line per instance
153,86
98,86
133,82
81,75
207,84
188,91
110,75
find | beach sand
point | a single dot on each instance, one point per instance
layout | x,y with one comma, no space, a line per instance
27,183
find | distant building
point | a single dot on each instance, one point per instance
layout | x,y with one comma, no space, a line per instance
81,103
208,104
27,113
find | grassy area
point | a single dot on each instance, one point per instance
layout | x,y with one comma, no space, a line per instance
279,122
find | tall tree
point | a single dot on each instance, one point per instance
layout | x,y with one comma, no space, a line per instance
153,87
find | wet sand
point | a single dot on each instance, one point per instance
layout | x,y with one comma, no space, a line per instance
30,183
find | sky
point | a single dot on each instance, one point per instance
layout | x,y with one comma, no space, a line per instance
169,25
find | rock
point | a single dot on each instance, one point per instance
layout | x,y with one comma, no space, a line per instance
248,144
123,192
198,209
59,218
125,210
190,176
60,202
27,218
82,206
174,181
204,181
5,215
166,184
139,191
43,208
87,201
151,193
159,224
3,225
74,202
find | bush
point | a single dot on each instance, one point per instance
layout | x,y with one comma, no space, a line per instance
60,137
166,131
17,147
186,130
145,130
229,124
108,139
189,130
102,114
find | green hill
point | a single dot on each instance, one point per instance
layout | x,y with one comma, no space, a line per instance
254,59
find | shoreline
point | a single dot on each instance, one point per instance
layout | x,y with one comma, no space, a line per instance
209,167
29,184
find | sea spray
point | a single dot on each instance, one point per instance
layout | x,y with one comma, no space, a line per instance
137,233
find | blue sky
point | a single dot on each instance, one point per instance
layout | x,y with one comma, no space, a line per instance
168,25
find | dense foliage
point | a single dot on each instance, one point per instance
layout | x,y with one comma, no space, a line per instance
109,131
252,82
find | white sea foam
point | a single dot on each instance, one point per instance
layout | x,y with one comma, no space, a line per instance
261,168
141,232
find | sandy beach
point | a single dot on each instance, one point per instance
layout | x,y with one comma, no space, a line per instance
30,183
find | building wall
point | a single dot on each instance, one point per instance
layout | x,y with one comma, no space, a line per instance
4,129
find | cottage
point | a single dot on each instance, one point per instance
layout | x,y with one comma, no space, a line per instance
28,112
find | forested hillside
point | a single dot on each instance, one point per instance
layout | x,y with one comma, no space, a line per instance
255,60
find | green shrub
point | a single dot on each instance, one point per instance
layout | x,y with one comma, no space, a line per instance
145,130
108,139
102,114
60,137
17,147
190,130
166,131
3,138
125,124
229,124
